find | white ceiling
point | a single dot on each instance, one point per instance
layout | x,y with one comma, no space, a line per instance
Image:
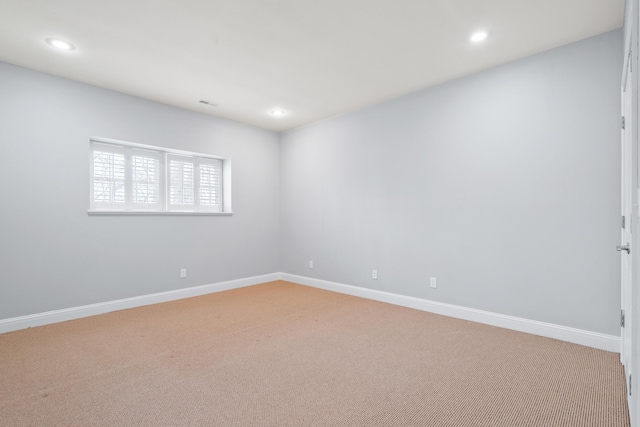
313,58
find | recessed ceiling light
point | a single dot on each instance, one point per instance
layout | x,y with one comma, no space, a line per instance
60,44
277,113
479,36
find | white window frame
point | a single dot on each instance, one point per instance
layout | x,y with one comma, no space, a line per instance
164,156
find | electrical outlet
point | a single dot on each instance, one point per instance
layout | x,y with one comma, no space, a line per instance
183,273
433,282
310,264
374,274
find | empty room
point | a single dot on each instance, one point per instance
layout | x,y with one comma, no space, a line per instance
336,213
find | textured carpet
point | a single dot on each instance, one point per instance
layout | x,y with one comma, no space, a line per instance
281,354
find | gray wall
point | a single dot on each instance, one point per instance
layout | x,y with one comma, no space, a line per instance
504,185
53,255
626,29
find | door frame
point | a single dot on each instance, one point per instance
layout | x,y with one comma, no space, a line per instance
628,217
630,192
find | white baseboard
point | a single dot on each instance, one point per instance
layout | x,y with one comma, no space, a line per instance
577,336
39,319
564,333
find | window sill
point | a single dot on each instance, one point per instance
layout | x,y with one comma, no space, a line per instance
158,213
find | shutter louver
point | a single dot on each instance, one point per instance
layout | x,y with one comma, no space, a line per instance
210,183
108,177
181,183
145,180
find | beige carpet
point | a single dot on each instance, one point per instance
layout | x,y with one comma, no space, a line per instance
281,354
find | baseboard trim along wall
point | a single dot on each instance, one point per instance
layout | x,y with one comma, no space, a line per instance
577,336
564,333
40,319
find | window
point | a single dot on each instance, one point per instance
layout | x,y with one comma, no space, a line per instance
135,178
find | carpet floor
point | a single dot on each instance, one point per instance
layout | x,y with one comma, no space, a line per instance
281,354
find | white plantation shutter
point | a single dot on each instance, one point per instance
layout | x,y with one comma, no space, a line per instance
108,177
146,179
181,182
210,184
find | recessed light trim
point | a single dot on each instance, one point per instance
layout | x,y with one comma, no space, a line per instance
278,112
60,44
479,36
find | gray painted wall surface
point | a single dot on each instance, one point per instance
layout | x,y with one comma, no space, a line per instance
53,255
626,29
505,185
